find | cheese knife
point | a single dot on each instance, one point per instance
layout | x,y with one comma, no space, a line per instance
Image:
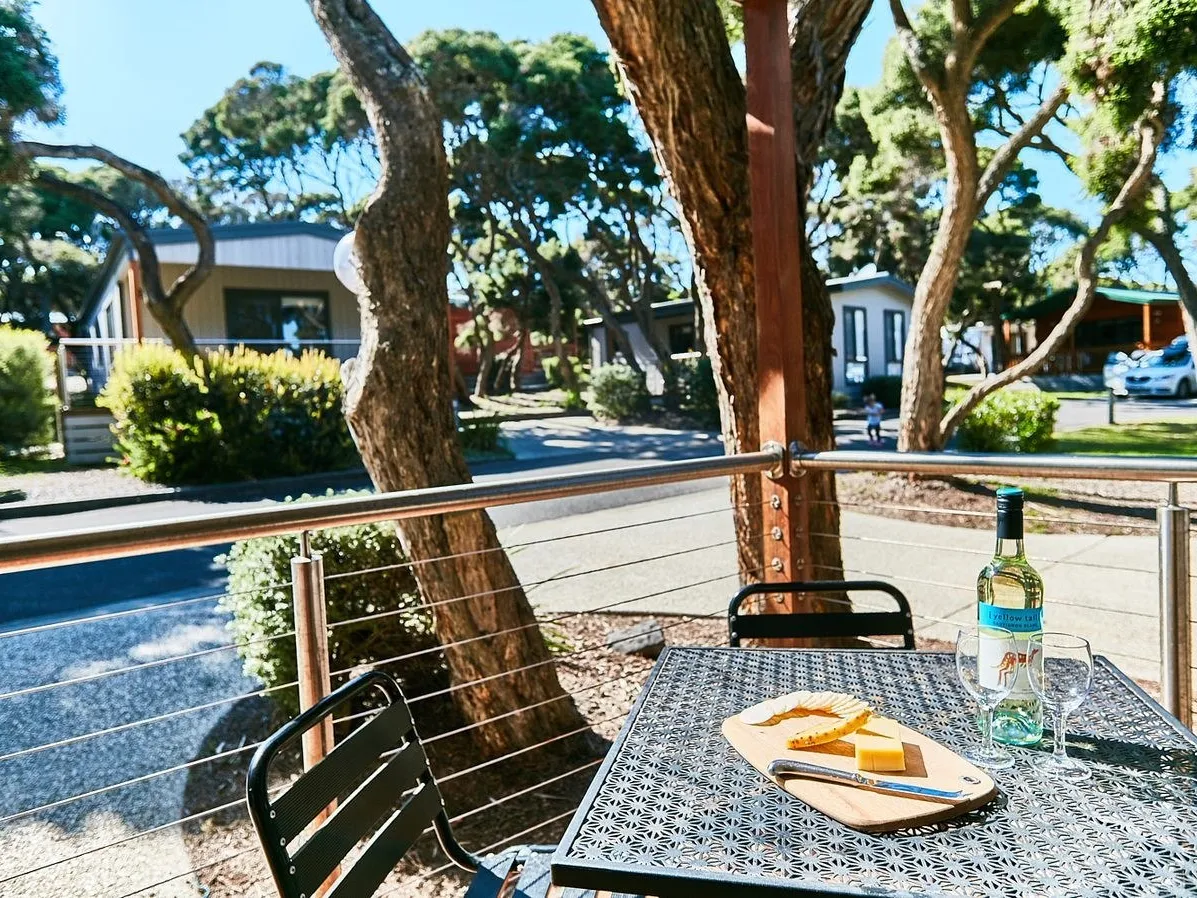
785,767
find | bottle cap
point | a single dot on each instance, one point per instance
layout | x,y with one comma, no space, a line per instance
1009,512
1009,497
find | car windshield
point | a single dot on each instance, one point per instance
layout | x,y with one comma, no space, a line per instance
1164,361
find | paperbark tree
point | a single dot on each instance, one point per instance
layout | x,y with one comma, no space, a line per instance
1150,134
1158,229
677,65
165,303
947,78
398,391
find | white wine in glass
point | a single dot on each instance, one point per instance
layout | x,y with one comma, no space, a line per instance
987,660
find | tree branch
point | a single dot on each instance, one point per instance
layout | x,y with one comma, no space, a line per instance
160,298
1151,132
983,30
912,46
1000,162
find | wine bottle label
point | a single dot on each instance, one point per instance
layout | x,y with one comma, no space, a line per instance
1016,620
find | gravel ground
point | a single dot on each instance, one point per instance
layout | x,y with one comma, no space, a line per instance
39,844
84,483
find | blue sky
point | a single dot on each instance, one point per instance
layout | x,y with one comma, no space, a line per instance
137,73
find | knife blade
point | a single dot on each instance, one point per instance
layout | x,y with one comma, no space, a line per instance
784,767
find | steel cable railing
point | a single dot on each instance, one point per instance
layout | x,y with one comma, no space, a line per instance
577,683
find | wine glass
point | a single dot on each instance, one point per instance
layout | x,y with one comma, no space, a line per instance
987,662
1060,668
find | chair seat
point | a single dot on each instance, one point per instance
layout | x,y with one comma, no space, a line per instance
523,872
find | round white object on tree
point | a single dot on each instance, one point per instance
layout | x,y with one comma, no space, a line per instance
347,266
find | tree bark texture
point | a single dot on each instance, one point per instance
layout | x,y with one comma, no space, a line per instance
398,390
1151,133
678,70
166,304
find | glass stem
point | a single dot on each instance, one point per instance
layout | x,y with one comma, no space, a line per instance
1059,747
990,748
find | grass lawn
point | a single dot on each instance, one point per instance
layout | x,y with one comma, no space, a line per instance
1077,394
1148,438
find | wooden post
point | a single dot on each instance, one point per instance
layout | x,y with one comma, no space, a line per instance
311,647
781,371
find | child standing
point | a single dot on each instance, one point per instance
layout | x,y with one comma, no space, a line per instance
873,410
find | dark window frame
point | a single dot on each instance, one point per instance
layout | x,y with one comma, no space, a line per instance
275,294
851,357
887,321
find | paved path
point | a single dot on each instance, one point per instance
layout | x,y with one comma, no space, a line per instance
1101,586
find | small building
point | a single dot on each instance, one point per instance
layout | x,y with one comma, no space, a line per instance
872,320
273,287
1118,320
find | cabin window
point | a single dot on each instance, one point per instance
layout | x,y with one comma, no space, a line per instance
895,341
681,338
856,345
276,319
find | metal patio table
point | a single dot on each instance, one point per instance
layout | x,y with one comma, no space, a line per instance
675,812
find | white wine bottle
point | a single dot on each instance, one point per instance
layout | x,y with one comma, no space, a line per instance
1010,596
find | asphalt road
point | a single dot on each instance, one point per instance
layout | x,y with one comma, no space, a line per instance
151,578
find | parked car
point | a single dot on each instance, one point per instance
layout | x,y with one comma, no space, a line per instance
1113,372
1165,372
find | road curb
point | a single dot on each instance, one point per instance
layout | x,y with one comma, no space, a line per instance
219,492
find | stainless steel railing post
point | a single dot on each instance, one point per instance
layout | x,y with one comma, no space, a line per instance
1176,641
311,646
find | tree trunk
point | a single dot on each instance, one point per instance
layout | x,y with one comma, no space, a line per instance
1165,245
1151,132
397,397
668,52
486,363
922,369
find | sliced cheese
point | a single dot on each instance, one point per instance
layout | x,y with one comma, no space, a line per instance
882,726
879,754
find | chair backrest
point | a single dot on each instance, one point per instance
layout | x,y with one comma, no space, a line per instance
394,796
820,624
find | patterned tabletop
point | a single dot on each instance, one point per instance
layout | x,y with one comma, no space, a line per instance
674,811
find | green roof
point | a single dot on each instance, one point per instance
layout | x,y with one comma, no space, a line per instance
1060,300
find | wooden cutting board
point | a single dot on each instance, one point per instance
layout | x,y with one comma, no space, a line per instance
928,763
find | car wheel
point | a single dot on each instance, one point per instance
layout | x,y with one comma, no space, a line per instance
1184,389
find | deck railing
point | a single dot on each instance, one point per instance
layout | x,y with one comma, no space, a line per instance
696,556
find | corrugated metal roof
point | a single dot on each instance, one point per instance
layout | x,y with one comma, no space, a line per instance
249,231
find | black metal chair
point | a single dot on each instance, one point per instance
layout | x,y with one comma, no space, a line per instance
820,624
397,800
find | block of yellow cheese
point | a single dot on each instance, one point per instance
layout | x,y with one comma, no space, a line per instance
879,754
882,726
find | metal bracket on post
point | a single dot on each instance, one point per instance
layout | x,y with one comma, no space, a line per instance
778,470
1176,640
311,647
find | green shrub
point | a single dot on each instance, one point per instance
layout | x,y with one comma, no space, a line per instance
573,401
887,388
840,400
259,599
232,415
1010,421
26,402
480,434
697,395
618,393
552,369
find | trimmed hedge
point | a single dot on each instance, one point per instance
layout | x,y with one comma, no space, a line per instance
232,415
259,599
618,393
1010,421
26,401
